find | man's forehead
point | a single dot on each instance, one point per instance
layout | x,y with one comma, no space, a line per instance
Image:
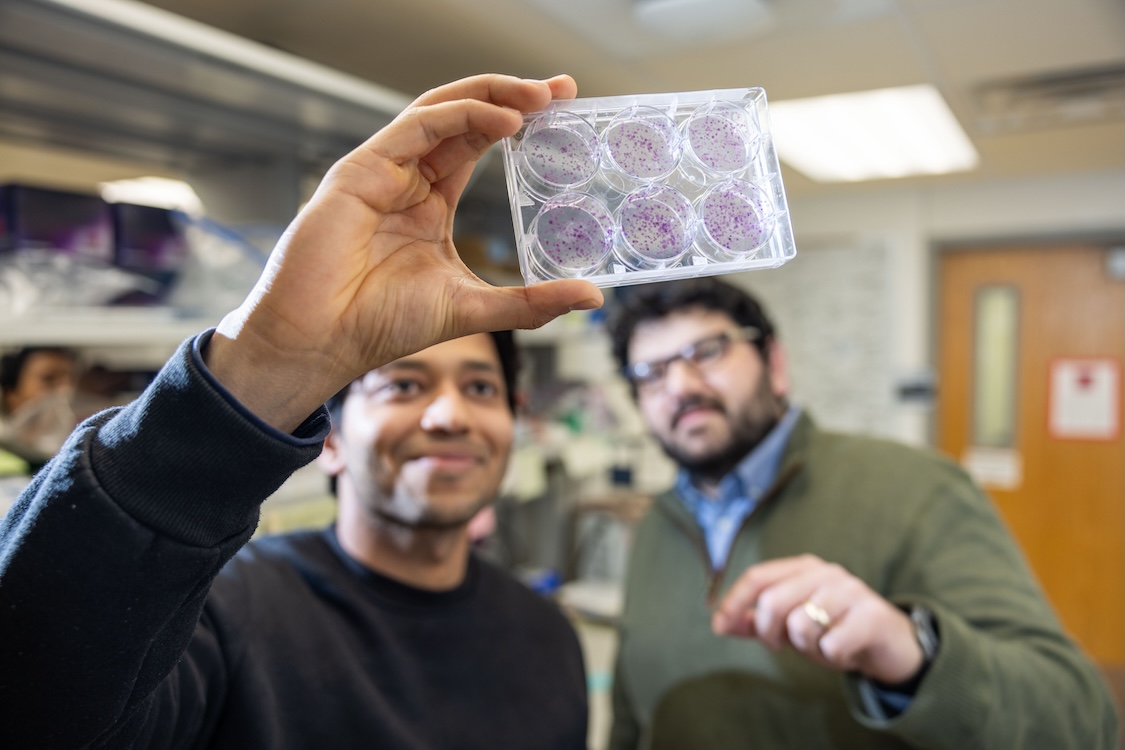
49,361
475,352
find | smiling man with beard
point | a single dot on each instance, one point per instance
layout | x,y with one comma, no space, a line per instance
418,641
803,589
418,448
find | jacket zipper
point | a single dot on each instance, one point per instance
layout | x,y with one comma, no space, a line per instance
767,498
716,576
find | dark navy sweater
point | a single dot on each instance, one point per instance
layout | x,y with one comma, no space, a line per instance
129,617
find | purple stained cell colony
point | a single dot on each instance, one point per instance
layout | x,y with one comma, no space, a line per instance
736,219
560,156
656,228
718,142
642,149
572,238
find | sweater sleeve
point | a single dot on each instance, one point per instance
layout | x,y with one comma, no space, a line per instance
107,556
1006,674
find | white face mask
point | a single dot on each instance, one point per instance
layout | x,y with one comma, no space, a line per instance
37,429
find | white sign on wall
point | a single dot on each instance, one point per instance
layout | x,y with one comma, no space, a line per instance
1085,399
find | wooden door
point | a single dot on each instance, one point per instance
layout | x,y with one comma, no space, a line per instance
1060,481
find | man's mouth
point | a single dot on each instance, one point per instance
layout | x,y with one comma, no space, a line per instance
448,459
442,462
692,412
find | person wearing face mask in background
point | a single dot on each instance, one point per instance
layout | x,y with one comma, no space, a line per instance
36,415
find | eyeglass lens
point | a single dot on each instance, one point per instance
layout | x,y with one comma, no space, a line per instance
702,353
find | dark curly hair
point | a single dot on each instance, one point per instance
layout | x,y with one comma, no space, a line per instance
654,301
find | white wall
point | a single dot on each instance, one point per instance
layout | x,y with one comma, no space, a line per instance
911,222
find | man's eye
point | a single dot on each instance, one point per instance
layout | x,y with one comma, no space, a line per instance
708,351
403,387
483,389
651,374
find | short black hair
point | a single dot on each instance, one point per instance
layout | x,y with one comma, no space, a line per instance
654,301
12,363
506,350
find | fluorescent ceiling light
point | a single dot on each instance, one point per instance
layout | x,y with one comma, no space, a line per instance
871,135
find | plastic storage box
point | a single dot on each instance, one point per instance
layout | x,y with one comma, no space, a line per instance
632,189
68,223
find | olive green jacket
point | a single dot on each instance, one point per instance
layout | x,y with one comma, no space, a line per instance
916,530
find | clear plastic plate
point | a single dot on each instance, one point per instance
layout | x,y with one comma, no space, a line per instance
631,189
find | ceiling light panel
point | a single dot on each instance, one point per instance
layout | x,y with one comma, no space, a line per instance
869,135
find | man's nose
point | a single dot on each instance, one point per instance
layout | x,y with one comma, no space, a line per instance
682,376
446,413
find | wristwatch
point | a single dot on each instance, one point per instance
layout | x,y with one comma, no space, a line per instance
925,630
926,633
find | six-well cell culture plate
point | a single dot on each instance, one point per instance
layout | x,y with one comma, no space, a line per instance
631,189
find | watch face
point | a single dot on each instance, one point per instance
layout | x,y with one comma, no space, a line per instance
925,630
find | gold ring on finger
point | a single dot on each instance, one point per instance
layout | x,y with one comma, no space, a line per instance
817,614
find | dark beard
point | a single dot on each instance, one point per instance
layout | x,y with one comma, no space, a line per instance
746,433
718,464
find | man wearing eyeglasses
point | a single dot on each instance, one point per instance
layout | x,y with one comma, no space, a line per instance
801,589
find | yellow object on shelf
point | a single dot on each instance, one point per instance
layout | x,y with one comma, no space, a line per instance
307,514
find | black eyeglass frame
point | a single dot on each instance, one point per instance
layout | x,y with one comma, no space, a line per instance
642,374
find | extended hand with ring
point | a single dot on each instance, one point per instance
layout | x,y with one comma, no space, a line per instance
823,611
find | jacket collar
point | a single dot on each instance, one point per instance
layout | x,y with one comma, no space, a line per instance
791,464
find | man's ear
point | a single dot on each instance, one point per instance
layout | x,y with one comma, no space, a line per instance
778,369
331,458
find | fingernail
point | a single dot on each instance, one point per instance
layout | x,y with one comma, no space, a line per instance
586,304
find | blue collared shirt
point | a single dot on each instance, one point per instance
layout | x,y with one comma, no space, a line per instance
739,491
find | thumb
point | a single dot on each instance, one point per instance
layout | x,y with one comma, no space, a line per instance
535,305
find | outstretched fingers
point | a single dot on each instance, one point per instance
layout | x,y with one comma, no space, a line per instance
468,126
520,94
453,125
470,114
